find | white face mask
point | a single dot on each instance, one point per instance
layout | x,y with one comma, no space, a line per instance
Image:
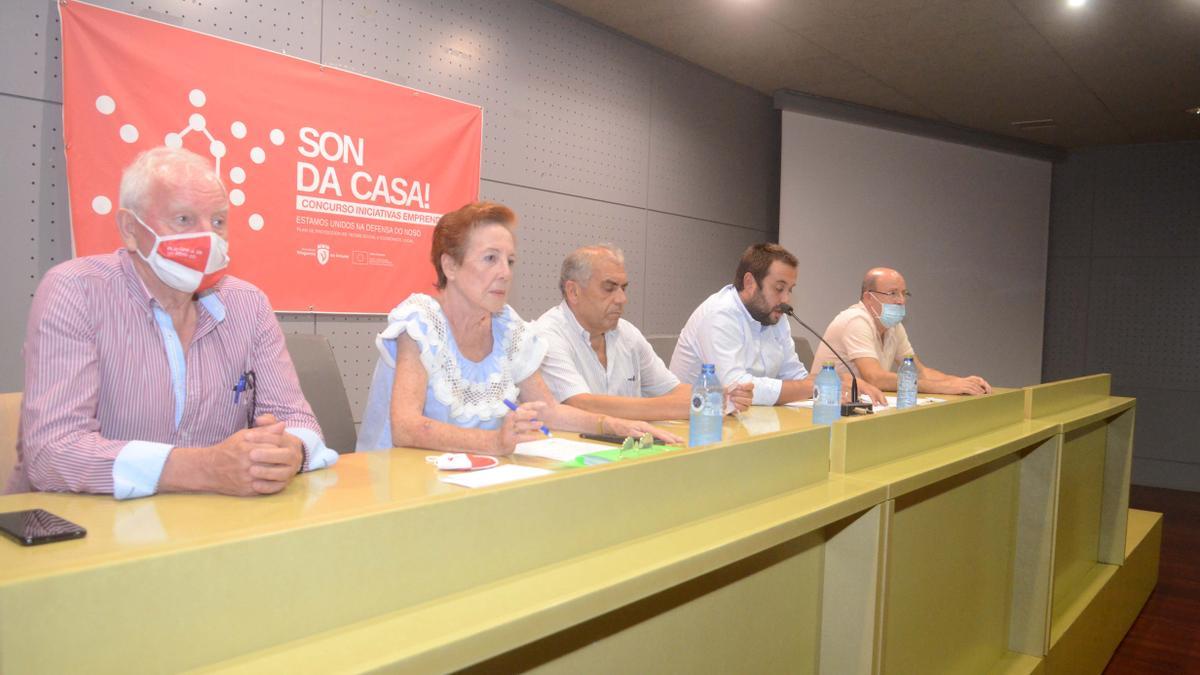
188,262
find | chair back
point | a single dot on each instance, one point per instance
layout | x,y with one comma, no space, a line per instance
664,346
10,418
804,351
321,382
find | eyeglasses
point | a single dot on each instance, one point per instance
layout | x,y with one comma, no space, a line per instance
893,295
252,388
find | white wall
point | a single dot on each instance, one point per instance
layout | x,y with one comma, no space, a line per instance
967,227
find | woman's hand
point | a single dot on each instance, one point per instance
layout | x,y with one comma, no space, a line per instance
623,427
519,426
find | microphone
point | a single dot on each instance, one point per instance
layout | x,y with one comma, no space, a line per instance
855,406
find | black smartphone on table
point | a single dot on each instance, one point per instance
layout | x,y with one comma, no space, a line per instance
36,526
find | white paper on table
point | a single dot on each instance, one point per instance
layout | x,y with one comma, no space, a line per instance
926,400
561,449
505,473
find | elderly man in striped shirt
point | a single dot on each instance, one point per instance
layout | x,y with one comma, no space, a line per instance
150,370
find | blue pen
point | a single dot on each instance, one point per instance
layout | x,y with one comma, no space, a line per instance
239,388
513,407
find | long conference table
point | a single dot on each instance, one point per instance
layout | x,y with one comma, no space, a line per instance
979,535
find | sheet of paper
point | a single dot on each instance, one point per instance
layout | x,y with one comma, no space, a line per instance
924,400
561,449
505,473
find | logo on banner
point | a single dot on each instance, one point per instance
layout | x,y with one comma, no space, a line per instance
313,157
196,123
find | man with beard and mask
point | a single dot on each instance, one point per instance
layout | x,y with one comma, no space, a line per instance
148,370
600,362
740,329
869,334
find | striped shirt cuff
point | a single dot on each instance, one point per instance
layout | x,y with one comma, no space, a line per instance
137,468
318,456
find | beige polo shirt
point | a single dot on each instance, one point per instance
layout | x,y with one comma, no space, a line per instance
853,334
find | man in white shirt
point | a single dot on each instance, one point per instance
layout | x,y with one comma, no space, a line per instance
869,334
739,330
600,362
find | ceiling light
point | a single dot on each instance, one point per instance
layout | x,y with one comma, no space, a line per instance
1077,3
1193,111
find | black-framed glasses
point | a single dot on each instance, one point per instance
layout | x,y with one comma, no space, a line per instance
252,388
893,295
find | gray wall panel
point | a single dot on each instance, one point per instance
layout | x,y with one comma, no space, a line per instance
292,27
1166,427
30,53
553,225
1142,324
1068,283
33,195
301,324
566,106
1071,206
701,260
588,111
1171,475
706,136
1131,215
1147,201
468,51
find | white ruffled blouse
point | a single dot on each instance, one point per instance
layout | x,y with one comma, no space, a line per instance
459,391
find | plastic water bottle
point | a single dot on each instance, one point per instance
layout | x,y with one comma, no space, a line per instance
827,396
906,384
708,400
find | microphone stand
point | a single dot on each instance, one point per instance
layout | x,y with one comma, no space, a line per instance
855,406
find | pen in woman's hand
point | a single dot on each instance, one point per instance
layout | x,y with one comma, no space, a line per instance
513,407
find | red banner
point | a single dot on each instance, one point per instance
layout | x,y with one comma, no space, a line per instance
335,180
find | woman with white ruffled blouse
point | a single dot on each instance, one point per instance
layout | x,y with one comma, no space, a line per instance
448,363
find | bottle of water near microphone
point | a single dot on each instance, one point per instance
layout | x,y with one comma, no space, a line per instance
827,395
906,384
708,408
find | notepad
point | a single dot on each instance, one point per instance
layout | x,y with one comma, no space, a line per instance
560,449
505,473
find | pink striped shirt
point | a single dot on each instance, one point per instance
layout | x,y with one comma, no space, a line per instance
97,374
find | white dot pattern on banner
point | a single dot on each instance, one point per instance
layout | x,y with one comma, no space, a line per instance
277,136
258,155
217,148
106,105
129,133
173,141
197,121
102,205
237,197
237,174
256,222
197,98
238,130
